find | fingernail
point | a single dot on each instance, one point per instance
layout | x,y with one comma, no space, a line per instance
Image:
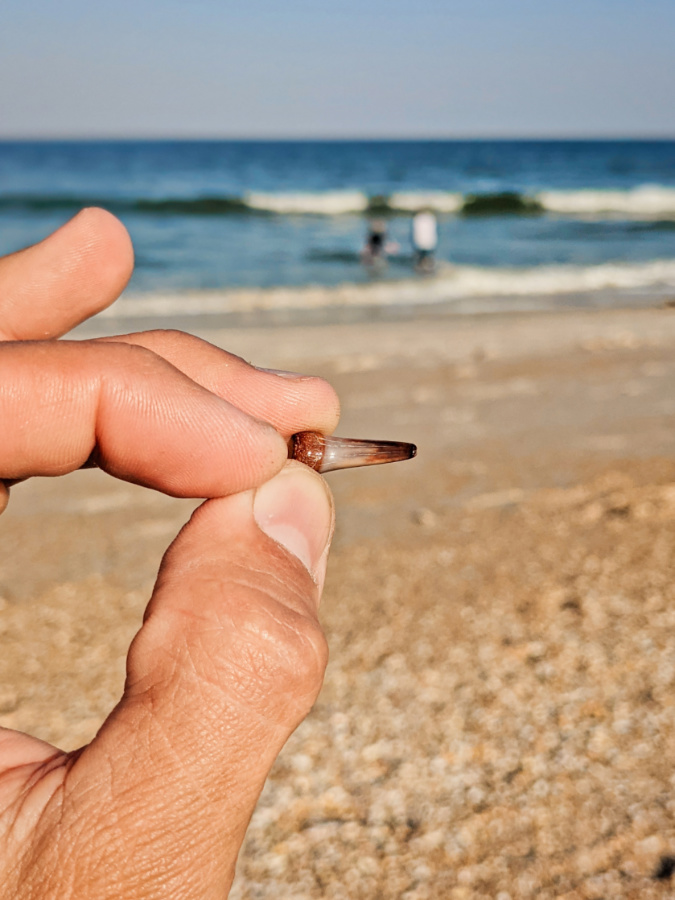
282,373
295,509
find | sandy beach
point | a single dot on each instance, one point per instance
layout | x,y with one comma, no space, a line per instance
498,716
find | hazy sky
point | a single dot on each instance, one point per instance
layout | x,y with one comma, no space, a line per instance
347,68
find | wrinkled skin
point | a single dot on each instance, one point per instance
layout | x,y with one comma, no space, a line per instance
230,656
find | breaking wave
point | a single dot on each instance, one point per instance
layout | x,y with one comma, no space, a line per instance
647,202
641,202
452,284
328,203
167,206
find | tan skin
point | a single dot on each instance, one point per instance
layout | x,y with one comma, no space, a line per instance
230,656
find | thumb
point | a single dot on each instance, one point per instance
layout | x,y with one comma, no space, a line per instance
228,662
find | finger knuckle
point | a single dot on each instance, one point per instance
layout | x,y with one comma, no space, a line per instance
254,638
284,649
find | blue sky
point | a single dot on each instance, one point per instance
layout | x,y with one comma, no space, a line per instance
311,68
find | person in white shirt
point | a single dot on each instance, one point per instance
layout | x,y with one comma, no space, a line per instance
424,239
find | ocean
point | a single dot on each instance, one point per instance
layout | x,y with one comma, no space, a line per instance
255,228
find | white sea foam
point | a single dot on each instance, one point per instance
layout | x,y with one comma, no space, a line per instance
440,201
452,284
335,203
563,279
647,201
325,203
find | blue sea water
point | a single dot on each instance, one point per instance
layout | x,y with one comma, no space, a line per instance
213,215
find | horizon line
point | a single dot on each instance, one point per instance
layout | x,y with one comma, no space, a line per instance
204,138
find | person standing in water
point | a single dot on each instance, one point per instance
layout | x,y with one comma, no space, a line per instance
424,240
378,246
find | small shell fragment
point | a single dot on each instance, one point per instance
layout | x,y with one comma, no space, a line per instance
326,453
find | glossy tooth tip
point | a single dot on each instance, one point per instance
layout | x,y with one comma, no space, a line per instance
326,453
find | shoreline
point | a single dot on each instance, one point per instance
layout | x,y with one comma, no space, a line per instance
453,290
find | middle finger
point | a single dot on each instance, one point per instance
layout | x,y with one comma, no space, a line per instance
289,404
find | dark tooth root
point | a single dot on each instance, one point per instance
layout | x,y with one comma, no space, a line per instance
326,453
307,447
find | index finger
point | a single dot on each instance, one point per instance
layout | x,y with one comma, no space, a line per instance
144,421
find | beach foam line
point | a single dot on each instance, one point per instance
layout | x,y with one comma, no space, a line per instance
647,202
451,284
324,203
413,201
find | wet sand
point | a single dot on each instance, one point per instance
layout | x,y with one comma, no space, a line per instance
498,716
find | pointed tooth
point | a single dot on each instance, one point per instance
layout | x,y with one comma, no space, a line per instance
326,453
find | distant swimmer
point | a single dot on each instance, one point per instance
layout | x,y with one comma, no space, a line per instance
377,246
424,240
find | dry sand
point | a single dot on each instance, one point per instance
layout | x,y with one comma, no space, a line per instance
498,716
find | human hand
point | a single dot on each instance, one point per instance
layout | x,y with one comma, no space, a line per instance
230,656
